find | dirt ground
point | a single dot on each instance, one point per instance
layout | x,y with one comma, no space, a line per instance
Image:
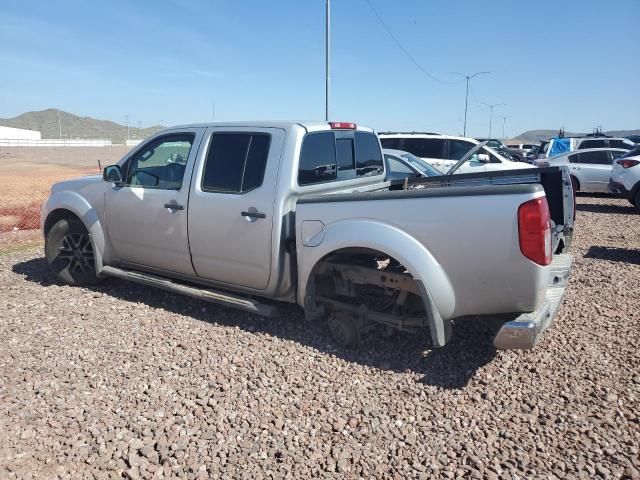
26,175
121,380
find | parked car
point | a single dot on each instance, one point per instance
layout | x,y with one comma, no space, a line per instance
400,165
301,213
443,151
501,148
590,169
625,176
571,144
634,138
520,150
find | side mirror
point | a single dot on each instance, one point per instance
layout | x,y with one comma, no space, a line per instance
483,157
112,174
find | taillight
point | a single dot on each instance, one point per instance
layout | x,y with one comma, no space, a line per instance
628,163
534,230
342,125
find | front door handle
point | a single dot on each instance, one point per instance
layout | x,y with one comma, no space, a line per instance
253,214
174,206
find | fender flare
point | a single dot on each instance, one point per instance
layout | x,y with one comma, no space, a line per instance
80,207
438,293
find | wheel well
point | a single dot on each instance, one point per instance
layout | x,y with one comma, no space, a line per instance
57,215
354,275
577,182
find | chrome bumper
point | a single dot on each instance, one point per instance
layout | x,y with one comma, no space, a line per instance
525,331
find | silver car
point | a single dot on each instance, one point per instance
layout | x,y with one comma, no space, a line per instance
590,168
401,164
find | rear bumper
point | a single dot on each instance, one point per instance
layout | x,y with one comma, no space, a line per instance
525,331
618,188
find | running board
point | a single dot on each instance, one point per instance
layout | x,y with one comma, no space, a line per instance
246,304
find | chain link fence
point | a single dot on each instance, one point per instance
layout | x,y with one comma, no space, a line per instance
26,176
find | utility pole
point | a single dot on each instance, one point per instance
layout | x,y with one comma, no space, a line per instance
213,110
127,119
327,64
491,107
504,121
59,126
466,96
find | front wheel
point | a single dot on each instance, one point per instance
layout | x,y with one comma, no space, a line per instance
69,253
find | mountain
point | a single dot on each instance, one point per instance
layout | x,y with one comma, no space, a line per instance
537,135
73,126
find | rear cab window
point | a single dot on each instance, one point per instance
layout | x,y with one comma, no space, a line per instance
328,156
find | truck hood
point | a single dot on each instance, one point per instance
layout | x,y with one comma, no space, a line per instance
76,184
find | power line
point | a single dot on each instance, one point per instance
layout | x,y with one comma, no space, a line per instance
404,50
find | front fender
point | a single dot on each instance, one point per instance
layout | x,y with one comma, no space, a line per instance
79,206
376,235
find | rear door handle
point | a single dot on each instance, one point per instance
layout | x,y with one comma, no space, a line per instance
253,214
174,206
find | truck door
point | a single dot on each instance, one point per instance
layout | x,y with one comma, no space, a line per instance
231,205
592,169
147,213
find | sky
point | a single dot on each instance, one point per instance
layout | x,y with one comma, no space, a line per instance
572,64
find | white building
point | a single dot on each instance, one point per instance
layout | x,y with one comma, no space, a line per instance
9,133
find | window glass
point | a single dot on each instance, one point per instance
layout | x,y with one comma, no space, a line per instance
457,149
592,144
396,166
575,158
392,143
344,150
256,162
161,163
619,144
235,162
368,154
424,147
595,158
317,158
616,154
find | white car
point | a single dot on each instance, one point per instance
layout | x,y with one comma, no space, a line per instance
625,176
444,151
590,169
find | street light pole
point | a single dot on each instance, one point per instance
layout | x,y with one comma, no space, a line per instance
504,121
466,96
327,55
491,107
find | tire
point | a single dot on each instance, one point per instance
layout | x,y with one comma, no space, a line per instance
636,199
70,254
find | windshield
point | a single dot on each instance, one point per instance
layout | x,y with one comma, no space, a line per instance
419,164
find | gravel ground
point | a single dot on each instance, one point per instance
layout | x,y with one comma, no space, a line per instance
126,380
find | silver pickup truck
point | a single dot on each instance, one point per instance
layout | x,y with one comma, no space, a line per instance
242,214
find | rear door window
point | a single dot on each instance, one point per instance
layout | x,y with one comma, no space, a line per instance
595,158
458,148
619,144
392,143
424,147
592,144
235,162
575,158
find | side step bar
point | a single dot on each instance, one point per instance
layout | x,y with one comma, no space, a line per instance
220,298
